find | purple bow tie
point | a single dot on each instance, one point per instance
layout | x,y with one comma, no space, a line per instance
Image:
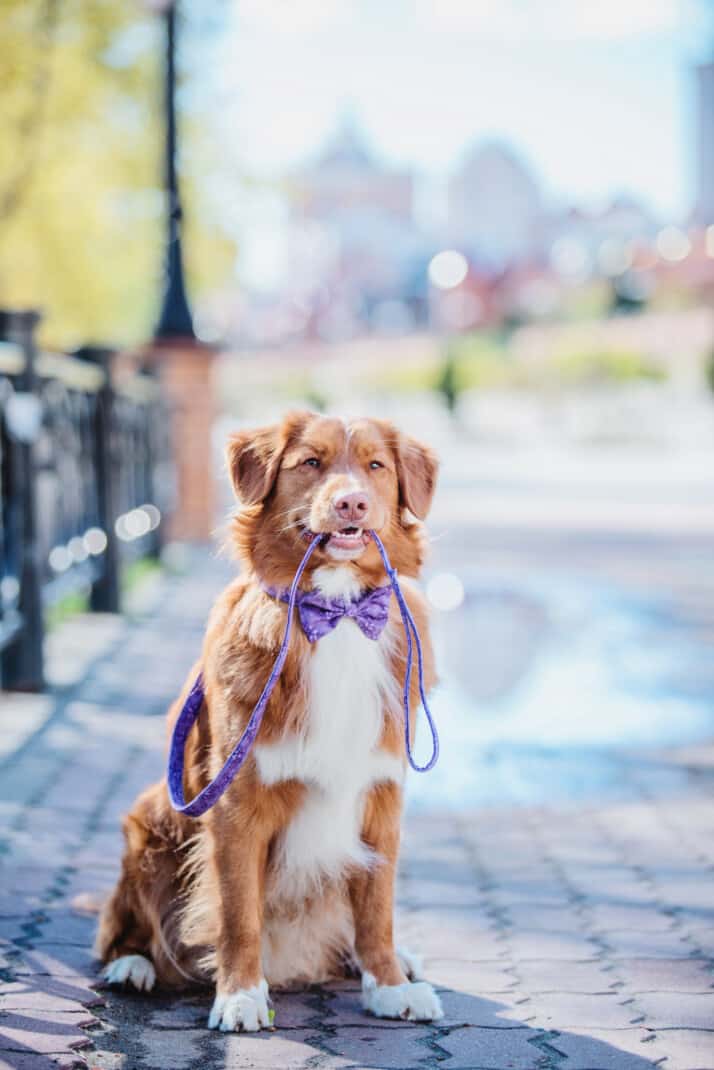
319,615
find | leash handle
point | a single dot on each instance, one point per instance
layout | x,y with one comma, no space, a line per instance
192,708
410,629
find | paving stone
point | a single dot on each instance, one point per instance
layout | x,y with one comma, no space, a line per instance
35,992
58,960
96,880
471,978
496,1010
33,1061
30,880
294,1010
13,929
685,1049
700,937
162,1049
490,1049
35,841
297,1050
685,893
67,927
559,918
13,905
572,946
381,1049
175,1013
542,892
555,976
440,894
568,1010
613,1049
21,783
638,945
432,938
666,975
46,1032
627,887
672,1010
607,917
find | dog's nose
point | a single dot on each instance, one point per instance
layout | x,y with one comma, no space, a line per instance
352,507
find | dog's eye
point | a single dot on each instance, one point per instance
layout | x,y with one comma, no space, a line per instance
375,465
312,462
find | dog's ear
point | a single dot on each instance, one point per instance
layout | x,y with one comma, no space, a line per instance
253,457
417,469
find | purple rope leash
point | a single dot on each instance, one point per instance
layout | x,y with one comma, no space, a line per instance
192,706
410,629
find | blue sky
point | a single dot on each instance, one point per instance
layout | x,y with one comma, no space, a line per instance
597,97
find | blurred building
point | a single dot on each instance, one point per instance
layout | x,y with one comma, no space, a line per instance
599,241
704,206
354,240
495,207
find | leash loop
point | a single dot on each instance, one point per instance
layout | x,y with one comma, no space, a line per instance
192,707
410,629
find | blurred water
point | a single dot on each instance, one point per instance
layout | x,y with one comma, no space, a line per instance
549,686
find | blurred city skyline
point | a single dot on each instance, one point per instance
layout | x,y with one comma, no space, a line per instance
597,104
574,91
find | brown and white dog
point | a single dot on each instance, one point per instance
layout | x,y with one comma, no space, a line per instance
289,879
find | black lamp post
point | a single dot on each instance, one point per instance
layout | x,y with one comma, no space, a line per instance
175,320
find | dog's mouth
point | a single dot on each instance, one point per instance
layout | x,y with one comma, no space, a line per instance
349,537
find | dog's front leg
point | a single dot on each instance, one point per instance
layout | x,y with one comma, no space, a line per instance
386,991
240,856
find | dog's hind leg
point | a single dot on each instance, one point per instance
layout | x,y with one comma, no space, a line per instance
125,931
124,937
137,938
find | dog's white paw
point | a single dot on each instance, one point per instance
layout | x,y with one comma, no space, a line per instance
133,970
415,1000
246,1009
411,963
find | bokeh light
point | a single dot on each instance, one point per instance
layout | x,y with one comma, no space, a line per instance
673,244
445,591
448,269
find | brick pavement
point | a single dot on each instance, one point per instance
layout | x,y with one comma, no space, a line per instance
562,938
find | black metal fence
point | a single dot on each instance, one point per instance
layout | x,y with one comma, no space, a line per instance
85,479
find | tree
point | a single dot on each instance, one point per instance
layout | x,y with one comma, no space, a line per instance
81,208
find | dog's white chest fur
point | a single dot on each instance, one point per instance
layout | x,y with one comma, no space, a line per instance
337,756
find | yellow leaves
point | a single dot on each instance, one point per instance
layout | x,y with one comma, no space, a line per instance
81,232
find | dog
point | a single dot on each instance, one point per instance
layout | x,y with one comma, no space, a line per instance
289,879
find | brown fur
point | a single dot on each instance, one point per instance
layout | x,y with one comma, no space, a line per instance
195,895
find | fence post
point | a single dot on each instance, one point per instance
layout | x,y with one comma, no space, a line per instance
22,660
105,595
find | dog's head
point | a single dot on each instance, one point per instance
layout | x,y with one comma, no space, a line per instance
313,474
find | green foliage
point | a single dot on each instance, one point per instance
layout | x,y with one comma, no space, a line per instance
448,383
709,371
605,366
81,209
483,362
133,574
62,610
